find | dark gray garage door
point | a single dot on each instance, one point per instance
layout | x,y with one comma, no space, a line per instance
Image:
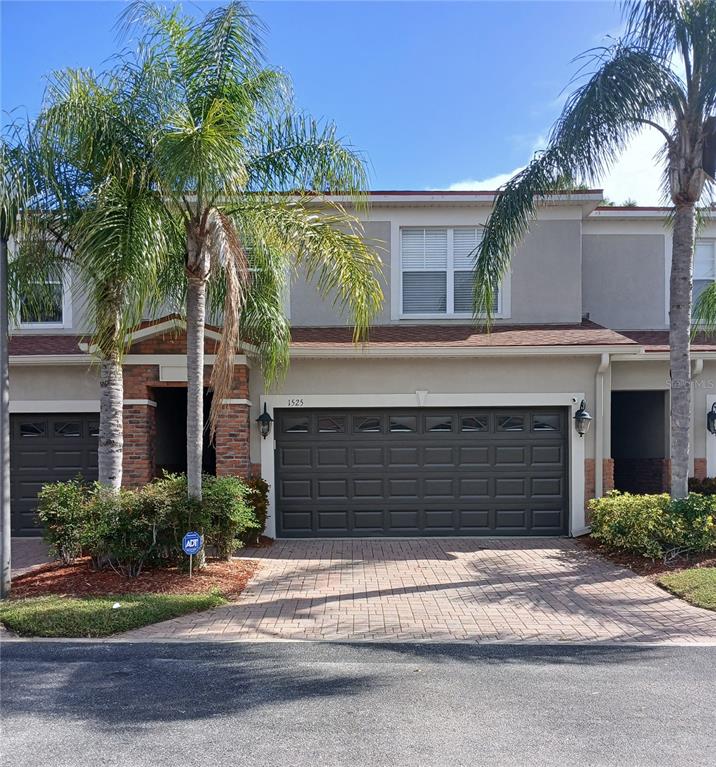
47,447
421,472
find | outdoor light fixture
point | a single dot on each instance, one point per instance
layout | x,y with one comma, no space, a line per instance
711,419
264,421
582,419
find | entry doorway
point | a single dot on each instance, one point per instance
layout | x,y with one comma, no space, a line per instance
170,442
640,441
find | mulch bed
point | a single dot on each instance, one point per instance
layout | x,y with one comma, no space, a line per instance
78,579
650,568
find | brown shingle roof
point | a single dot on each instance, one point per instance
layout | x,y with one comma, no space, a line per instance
658,340
27,345
583,334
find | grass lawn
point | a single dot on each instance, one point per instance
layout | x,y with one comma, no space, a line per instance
697,586
60,616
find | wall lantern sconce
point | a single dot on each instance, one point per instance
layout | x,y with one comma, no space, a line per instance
582,419
264,421
711,419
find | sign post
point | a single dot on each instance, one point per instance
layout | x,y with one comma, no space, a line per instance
191,544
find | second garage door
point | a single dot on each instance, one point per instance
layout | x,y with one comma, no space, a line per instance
47,447
421,472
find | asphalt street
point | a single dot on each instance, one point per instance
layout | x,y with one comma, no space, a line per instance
295,705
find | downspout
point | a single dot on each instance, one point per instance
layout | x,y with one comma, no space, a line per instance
599,433
697,368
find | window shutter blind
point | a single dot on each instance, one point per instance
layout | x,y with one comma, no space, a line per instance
424,292
423,249
465,240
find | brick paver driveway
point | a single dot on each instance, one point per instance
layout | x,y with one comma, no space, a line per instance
538,590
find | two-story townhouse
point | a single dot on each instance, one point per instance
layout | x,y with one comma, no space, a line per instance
432,427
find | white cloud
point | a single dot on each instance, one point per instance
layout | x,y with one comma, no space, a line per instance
636,176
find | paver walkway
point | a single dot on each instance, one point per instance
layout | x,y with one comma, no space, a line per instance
534,590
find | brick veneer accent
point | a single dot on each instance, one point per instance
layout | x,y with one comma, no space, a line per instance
140,429
233,432
643,475
169,342
140,425
700,471
590,480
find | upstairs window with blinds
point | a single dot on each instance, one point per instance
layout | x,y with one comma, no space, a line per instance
436,269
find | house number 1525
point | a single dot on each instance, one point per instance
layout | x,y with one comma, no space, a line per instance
295,403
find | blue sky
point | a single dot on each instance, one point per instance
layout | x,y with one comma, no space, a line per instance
435,93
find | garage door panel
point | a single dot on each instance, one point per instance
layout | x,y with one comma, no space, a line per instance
474,487
296,457
474,456
510,487
332,488
333,521
546,519
463,472
510,455
439,519
332,456
438,488
296,489
368,520
403,488
368,457
402,456
403,519
547,455
368,488
43,449
26,461
438,457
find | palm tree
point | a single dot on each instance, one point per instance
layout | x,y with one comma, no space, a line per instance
635,85
99,202
12,197
236,168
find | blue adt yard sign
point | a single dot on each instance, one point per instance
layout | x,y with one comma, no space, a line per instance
191,543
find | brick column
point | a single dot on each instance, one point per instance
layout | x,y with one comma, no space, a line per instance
700,468
140,424
233,432
608,475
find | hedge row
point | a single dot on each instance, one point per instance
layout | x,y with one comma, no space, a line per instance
131,529
655,525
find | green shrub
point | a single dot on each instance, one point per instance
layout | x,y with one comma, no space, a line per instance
62,510
630,522
654,525
231,517
131,529
691,526
125,530
259,501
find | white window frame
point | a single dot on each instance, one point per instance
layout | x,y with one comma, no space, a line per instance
503,298
703,241
66,320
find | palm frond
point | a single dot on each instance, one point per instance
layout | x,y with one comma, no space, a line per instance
299,153
230,261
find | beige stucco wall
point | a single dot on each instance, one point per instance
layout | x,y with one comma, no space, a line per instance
436,375
308,307
56,382
623,280
546,276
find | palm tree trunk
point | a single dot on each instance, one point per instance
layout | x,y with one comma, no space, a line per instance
195,319
679,344
110,450
5,516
